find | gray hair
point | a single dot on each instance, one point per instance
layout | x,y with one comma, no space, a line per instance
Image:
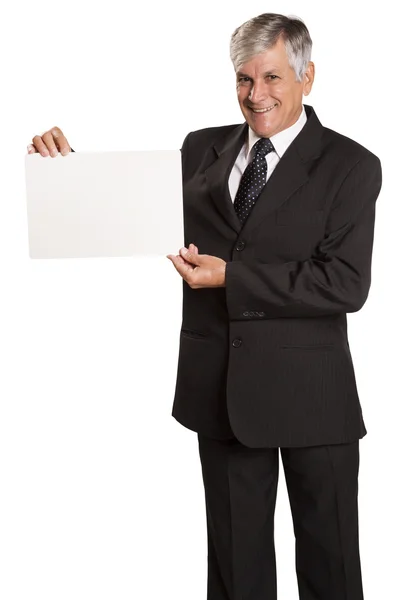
261,33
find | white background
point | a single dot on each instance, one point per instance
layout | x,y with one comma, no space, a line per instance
101,494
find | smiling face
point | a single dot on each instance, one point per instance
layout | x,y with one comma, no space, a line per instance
270,98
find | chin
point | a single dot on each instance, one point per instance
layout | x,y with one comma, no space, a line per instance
261,129
266,131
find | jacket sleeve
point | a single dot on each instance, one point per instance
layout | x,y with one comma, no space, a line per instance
337,277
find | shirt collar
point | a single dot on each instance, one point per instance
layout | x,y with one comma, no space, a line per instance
282,140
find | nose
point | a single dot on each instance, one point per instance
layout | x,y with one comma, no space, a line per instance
257,93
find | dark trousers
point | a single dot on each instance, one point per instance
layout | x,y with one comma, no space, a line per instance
240,492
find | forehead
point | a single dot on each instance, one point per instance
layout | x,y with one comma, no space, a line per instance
269,61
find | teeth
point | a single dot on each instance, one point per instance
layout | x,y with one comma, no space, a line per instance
261,110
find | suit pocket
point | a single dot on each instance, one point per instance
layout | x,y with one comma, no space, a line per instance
299,217
191,333
310,347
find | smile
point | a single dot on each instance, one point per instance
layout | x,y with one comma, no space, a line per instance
263,110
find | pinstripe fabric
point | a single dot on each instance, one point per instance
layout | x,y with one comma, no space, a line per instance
266,359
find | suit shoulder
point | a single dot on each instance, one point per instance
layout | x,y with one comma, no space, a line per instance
350,149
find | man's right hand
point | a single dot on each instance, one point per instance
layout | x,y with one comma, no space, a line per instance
50,143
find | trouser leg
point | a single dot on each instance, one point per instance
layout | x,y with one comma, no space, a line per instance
322,483
240,492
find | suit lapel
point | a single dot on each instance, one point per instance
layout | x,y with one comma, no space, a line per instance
289,175
217,175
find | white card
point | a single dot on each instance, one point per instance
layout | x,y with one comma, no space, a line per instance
104,204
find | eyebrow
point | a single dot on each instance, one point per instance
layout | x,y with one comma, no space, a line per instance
241,74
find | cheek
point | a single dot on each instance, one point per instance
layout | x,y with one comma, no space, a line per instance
278,92
242,94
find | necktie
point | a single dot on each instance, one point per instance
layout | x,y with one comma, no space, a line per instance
253,179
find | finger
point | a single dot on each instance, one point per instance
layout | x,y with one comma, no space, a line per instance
176,259
61,141
40,145
31,149
50,143
190,257
179,260
180,265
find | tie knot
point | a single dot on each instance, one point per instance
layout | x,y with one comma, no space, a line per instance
263,147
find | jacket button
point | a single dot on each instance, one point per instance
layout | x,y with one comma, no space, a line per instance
240,246
236,343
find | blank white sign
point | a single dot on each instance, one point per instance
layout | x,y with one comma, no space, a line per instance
90,204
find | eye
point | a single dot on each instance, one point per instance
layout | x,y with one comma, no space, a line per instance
273,77
244,79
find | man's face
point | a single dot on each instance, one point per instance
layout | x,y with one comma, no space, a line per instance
267,81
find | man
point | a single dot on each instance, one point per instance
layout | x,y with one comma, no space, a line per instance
279,224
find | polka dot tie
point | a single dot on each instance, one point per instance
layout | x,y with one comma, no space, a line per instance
253,179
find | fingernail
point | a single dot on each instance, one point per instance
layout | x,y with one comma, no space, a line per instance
54,153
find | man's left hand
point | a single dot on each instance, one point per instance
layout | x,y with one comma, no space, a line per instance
199,270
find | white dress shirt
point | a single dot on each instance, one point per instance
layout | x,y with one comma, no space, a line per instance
281,142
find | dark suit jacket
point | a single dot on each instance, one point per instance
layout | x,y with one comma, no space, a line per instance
267,357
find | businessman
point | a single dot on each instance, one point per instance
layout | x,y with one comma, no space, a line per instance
279,223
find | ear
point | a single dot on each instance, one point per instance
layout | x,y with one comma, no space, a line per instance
308,79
